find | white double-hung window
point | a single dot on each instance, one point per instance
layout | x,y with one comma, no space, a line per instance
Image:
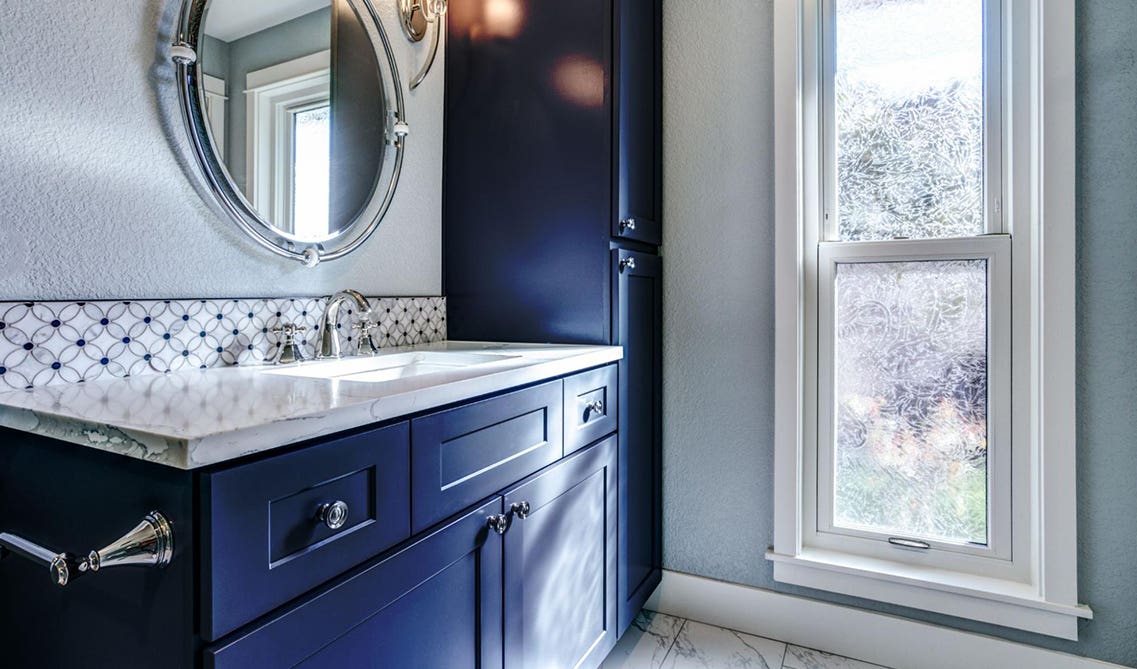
925,441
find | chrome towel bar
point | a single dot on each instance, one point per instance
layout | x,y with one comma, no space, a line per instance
149,544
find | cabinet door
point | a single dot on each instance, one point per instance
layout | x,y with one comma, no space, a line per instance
436,603
560,563
637,83
638,328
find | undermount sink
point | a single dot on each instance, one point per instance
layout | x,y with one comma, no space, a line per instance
389,367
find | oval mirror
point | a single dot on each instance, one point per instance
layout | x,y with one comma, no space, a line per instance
295,115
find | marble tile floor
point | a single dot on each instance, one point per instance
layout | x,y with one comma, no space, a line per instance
658,641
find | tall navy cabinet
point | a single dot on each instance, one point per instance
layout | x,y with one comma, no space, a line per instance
553,216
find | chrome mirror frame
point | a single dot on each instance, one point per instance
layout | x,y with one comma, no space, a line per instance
184,52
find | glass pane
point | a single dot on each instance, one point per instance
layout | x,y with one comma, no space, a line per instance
311,135
909,114
911,374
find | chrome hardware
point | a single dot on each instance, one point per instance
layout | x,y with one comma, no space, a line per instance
909,543
286,349
627,263
183,54
366,327
596,407
520,509
628,225
334,514
329,338
498,523
420,17
61,567
150,544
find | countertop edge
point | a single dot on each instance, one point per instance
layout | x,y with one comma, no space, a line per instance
200,452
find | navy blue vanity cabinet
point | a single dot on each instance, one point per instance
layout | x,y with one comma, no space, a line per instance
264,541
560,563
552,173
75,499
527,170
637,106
436,603
638,302
463,454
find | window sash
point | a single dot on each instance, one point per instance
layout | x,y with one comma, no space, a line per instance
994,169
820,530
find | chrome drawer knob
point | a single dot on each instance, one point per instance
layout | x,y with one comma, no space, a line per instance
596,407
520,509
627,263
498,523
627,225
334,515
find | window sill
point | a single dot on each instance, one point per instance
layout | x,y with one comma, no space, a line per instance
988,600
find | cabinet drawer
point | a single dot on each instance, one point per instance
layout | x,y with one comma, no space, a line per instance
264,541
436,603
465,454
590,407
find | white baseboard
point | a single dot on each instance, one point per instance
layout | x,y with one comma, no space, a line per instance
864,635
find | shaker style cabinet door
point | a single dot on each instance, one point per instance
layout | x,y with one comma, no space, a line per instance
436,603
560,563
637,325
637,121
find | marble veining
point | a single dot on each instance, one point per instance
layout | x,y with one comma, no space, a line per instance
48,343
196,418
656,640
807,658
646,643
700,646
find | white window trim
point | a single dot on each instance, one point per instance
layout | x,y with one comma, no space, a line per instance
1044,599
272,95
216,102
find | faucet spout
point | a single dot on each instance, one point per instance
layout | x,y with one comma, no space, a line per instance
329,338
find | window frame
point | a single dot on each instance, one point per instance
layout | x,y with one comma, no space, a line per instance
1034,202
273,95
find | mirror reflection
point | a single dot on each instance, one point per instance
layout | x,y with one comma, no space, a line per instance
294,100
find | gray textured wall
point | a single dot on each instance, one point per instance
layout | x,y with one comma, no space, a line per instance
96,199
718,340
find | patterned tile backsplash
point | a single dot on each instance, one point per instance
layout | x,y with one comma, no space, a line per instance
43,343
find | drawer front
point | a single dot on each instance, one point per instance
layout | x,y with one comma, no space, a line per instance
436,603
591,407
462,455
263,537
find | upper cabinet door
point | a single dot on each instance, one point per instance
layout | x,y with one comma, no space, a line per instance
638,307
560,563
637,105
527,170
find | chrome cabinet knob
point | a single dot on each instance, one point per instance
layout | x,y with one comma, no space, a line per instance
334,515
596,407
520,509
627,263
498,523
628,225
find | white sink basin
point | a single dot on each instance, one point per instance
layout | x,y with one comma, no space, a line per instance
391,366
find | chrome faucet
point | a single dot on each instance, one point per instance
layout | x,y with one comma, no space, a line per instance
329,338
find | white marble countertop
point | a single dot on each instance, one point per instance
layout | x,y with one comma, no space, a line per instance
198,418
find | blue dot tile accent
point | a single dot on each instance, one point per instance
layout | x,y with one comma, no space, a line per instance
235,339
3,371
